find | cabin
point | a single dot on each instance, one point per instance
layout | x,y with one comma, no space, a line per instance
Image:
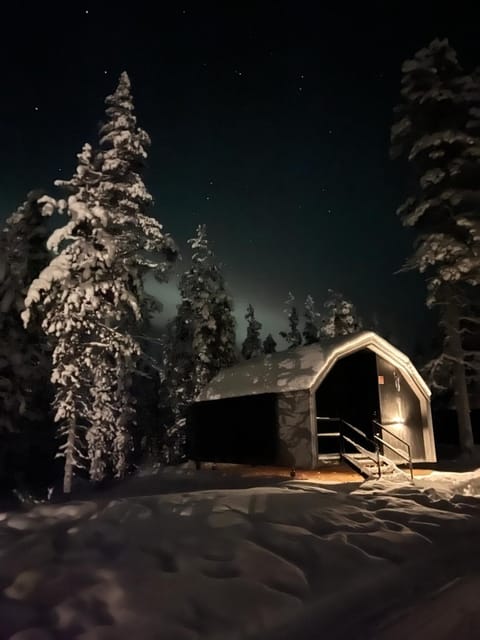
302,406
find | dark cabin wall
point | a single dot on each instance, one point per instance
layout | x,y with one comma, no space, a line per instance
400,410
239,430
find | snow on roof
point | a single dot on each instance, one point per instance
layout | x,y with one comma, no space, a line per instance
303,368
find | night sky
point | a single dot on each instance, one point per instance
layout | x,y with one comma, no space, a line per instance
269,123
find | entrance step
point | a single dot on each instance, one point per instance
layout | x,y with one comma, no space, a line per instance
361,451
329,457
368,466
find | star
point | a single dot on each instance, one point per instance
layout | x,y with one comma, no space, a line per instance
105,71
36,108
211,182
86,11
207,198
300,88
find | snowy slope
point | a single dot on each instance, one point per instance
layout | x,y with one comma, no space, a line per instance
278,561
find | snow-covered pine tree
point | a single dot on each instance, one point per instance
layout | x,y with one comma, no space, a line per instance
24,359
311,331
141,244
202,340
293,336
76,299
143,247
26,435
341,317
90,298
213,322
437,129
269,345
252,345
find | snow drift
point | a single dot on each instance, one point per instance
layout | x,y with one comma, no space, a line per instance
267,562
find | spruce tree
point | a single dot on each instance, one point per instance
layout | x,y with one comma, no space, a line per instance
213,339
202,336
269,345
141,244
437,129
340,317
26,438
293,336
24,359
310,331
91,299
252,345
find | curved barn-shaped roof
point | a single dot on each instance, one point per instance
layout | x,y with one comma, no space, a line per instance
304,368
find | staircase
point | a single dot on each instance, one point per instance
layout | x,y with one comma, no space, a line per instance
363,454
370,468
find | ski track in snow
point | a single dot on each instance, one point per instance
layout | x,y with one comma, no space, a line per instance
278,562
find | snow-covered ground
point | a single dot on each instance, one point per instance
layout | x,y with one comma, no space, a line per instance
287,560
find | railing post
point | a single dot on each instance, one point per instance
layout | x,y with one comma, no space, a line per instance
378,460
410,462
408,457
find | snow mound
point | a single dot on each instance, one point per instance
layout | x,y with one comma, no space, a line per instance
221,563
452,484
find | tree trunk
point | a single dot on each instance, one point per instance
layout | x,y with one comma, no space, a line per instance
462,404
69,459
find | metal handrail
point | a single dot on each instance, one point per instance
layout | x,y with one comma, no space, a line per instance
374,442
407,456
358,431
358,446
331,434
392,433
400,453
376,449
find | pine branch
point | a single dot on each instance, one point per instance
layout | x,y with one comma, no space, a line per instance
471,319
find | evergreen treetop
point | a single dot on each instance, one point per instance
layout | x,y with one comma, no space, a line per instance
437,129
311,331
252,345
269,345
293,336
341,317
